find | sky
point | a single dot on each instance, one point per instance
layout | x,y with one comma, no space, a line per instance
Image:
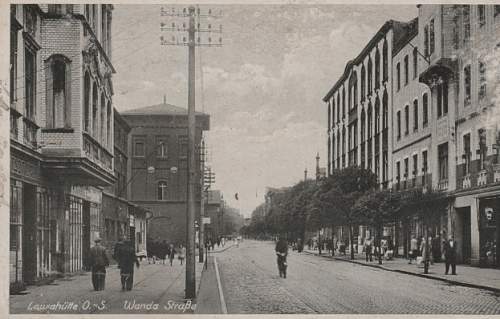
263,88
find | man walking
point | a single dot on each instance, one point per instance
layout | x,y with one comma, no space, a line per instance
126,260
413,249
368,248
98,262
450,255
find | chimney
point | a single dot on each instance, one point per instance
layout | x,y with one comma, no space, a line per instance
305,174
164,99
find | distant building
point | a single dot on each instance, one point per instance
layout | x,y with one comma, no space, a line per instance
214,208
158,160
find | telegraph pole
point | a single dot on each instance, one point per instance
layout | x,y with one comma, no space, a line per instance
192,179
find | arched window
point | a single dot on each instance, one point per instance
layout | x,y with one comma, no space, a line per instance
415,115
58,88
363,82
86,107
377,69
385,110
353,91
377,115
103,120
95,107
162,190
407,120
385,59
425,110
370,74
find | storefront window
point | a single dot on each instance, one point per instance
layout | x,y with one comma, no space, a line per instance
488,232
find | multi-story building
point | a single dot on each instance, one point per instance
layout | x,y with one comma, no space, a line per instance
359,108
122,218
159,155
462,45
214,208
61,135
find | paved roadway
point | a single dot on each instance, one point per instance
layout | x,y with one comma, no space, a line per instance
251,284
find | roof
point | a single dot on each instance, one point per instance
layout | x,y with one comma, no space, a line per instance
388,25
159,109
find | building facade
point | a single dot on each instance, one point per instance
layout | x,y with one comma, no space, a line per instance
462,45
158,160
61,136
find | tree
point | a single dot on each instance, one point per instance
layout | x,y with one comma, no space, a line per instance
377,208
339,193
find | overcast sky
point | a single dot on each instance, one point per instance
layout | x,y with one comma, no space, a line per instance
263,89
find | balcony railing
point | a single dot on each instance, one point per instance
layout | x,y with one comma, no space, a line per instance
443,184
482,178
30,133
96,153
465,182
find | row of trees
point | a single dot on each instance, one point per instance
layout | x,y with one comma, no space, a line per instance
349,197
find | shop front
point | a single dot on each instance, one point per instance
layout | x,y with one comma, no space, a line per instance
489,234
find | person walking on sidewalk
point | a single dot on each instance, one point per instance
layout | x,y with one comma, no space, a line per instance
368,248
413,249
98,261
172,253
182,253
450,255
126,259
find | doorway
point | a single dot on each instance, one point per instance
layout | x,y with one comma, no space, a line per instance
464,225
29,234
86,235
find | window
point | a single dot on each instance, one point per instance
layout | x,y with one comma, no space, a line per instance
398,116
424,166
398,76
425,110
482,148
103,120
407,168
333,111
139,150
162,190
442,99
363,124
329,116
95,107
482,80
443,161
466,22
13,65
406,69
30,83
467,85
370,74
407,120
338,107
182,141
353,91
467,154
108,128
481,15
86,111
385,61
363,83
377,69
161,147
431,37
385,114
415,166
377,116
415,115
415,62
426,40
497,9
398,173
343,102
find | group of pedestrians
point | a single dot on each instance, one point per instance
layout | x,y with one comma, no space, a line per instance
126,257
372,249
434,250
162,251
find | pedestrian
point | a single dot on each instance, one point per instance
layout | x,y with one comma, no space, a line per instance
436,249
430,254
300,245
368,248
172,253
413,249
450,255
119,244
126,259
163,251
98,262
384,245
182,253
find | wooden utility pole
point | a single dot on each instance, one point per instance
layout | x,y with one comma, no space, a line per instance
192,179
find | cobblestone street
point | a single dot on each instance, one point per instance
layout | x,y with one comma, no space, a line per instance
318,285
154,284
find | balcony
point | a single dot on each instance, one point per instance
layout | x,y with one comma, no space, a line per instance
482,178
30,133
496,173
465,182
442,184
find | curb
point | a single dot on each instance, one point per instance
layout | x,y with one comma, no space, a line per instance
222,250
458,283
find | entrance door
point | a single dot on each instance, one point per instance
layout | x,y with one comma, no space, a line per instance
464,215
86,235
29,233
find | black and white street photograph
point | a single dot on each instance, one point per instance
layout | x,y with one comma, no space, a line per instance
285,157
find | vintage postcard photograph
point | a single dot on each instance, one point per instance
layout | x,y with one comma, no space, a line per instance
261,158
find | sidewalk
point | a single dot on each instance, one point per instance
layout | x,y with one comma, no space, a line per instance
209,300
483,278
